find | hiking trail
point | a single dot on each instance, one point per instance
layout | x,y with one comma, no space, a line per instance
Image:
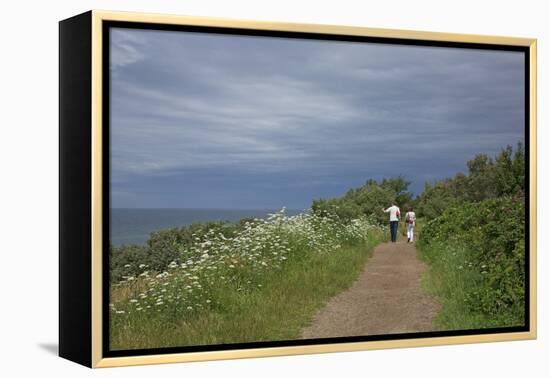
386,298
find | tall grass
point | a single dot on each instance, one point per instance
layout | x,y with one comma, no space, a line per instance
265,283
452,278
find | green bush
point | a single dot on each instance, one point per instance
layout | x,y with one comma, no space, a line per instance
477,257
163,247
367,200
503,175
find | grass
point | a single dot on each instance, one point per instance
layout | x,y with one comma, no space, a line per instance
278,309
452,278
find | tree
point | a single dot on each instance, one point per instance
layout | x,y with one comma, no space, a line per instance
487,178
367,200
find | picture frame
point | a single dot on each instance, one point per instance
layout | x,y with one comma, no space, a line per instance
84,120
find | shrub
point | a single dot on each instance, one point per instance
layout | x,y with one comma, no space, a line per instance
367,200
503,175
483,241
162,248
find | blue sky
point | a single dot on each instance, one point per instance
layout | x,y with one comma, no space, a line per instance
219,121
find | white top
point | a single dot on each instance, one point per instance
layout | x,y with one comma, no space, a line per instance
411,216
393,210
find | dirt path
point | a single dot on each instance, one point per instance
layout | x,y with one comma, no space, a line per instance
387,298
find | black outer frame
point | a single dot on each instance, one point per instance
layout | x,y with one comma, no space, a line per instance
75,189
75,331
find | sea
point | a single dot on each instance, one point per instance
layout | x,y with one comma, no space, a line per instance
133,226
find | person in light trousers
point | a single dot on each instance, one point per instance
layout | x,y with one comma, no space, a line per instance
410,220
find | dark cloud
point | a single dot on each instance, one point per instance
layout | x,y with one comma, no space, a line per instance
202,120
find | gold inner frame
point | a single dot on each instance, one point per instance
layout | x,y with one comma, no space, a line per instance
97,205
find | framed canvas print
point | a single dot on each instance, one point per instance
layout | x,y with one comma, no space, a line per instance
235,189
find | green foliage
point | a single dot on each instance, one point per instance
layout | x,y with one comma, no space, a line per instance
477,258
125,260
367,200
440,196
163,247
487,178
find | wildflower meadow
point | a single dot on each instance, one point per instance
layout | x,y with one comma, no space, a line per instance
263,282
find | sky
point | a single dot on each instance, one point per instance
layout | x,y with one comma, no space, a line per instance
219,121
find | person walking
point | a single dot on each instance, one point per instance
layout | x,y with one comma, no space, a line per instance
410,219
394,220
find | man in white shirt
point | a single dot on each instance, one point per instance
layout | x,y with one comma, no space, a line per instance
394,220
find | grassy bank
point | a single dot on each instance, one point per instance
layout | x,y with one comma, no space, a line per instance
265,283
476,256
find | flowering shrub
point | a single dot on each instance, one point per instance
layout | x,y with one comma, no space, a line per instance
163,247
235,261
